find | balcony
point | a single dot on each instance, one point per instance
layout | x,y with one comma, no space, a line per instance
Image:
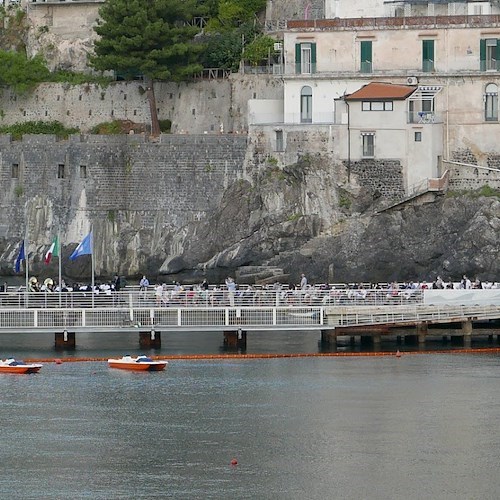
423,117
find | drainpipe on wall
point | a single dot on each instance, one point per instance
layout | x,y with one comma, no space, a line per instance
348,142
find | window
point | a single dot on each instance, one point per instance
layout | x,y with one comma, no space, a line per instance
418,136
368,139
279,140
366,57
60,171
306,105
377,106
14,171
83,171
489,49
491,103
427,55
305,58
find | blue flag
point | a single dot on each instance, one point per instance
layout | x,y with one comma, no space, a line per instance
21,256
84,248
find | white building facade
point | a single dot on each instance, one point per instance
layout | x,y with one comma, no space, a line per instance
453,63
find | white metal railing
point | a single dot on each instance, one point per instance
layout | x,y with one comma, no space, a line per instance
410,315
216,297
249,297
168,318
306,317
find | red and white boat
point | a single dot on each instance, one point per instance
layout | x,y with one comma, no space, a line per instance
12,365
139,363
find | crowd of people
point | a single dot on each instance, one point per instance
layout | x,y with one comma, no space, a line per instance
229,293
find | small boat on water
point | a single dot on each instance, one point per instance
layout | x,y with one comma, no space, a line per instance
139,363
12,365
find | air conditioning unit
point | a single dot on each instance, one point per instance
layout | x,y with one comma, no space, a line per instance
277,46
412,80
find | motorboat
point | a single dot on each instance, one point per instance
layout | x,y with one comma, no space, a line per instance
12,365
138,363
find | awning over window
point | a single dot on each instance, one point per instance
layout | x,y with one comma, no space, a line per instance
425,93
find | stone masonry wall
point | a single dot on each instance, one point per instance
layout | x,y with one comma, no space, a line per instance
383,176
201,107
120,184
465,177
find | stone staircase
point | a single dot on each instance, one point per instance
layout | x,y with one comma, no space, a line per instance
261,275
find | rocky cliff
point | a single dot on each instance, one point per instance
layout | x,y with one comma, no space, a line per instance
191,206
340,236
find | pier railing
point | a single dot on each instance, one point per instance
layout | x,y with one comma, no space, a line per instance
116,319
431,314
223,310
244,298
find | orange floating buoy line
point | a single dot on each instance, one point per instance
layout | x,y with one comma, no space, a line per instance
485,350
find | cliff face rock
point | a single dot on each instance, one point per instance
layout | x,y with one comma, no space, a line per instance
449,237
193,206
292,219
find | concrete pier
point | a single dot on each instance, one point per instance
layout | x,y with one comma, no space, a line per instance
150,340
65,341
422,330
329,337
235,339
467,331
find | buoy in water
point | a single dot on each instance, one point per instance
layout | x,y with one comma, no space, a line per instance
57,361
398,354
234,461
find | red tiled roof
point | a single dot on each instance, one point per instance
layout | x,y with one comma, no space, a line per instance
381,91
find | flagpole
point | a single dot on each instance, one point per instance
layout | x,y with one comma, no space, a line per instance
92,261
26,260
60,268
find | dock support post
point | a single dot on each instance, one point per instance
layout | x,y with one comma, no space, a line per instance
421,332
150,340
377,340
235,339
467,331
65,341
329,337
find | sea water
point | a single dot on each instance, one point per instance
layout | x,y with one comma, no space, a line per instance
415,427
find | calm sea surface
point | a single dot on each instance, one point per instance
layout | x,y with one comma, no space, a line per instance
423,426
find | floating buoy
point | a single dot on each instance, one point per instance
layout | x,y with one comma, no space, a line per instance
398,354
234,461
57,361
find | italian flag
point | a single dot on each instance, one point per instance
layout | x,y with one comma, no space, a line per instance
52,251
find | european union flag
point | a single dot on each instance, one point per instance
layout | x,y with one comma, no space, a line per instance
20,257
84,248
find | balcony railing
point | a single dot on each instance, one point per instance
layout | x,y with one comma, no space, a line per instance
423,117
428,66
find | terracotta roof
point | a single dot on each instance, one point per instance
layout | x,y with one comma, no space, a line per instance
381,91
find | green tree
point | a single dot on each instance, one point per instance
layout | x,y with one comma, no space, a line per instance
233,13
259,49
154,38
21,73
224,48
231,28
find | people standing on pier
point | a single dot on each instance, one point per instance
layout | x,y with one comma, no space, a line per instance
303,281
143,287
231,289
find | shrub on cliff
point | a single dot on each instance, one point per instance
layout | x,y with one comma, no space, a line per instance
19,129
21,73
